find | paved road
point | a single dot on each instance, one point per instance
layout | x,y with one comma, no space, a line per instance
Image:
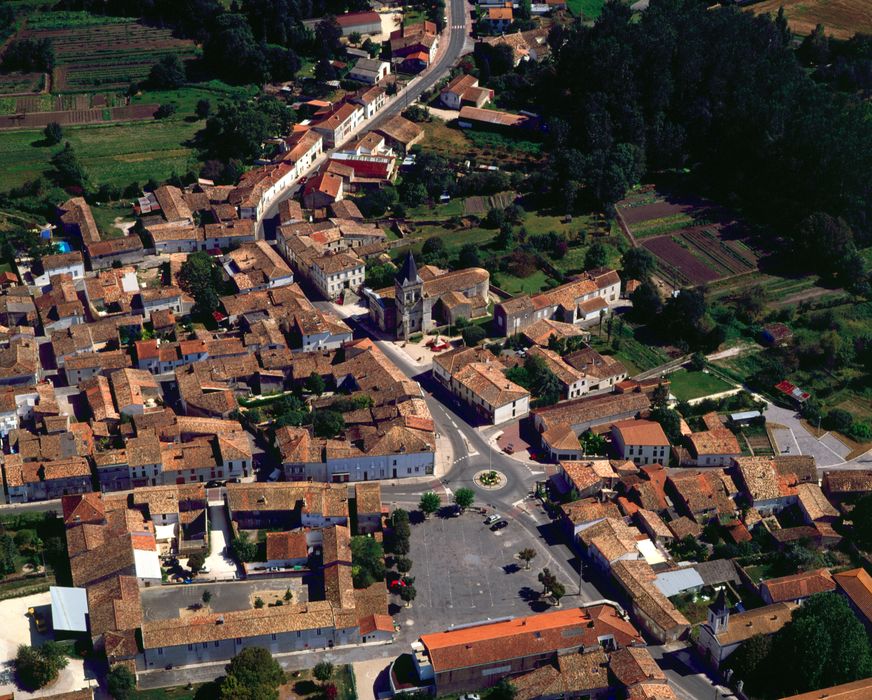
454,38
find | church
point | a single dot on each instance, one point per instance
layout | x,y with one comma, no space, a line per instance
422,299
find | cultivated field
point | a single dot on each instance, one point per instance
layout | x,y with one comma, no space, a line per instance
21,83
842,18
95,53
694,241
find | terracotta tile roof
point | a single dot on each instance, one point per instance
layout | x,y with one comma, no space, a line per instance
650,691
83,508
612,538
766,620
567,374
561,437
641,432
702,492
802,585
61,260
487,381
592,409
802,467
846,482
566,675
857,585
716,441
857,690
286,545
173,204
77,212
814,502
20,473
372,623
456,359
540,332
533,635
632,665
401,130
587,510
368,498
210,627
684,527
636,577
760,478
583,475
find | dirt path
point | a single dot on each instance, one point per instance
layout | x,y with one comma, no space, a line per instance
812,293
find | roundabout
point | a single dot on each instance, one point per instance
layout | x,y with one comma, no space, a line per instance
490,479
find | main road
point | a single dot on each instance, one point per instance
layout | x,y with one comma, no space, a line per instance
457,28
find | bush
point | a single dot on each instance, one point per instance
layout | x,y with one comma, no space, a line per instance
53,133
861,432
838,419
120,682
473,335
165,110
38,666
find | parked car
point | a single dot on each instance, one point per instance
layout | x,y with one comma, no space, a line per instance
510,448
234,480
491,519
470,696
499,525
214,483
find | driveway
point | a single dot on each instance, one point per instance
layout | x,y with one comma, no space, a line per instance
829,452
17,630
220,567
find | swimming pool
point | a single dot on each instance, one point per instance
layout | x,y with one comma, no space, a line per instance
63,246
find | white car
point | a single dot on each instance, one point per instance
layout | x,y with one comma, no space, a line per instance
491,519
470,696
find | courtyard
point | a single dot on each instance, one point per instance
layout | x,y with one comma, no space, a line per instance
168,602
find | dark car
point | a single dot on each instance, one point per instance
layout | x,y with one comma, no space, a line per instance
214,484
499,525
234,480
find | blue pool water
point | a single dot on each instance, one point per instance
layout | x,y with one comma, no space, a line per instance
63,246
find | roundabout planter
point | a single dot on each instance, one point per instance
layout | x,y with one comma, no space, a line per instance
490,479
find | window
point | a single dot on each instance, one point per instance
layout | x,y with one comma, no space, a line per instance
273,637
205,645
239,640
160,651
190,647
217,644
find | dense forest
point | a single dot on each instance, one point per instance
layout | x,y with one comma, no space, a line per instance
761,125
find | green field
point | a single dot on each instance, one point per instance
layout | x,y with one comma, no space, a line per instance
515,285
116,154
686,385
589,9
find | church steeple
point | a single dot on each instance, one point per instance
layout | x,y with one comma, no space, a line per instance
408,274
719,613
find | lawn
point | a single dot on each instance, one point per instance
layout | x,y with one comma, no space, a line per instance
116,154
515,285
105,215
454,239
589,9
686,385
437,212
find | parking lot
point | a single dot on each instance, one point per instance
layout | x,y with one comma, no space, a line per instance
166,602
465,572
